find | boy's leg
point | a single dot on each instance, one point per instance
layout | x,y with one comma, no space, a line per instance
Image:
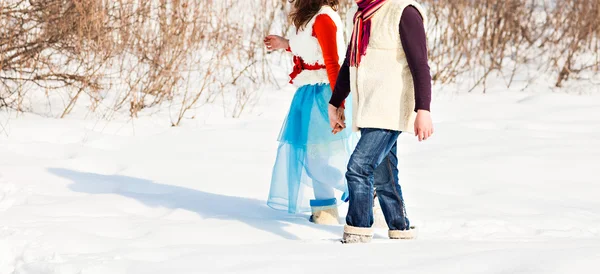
389,192
373,146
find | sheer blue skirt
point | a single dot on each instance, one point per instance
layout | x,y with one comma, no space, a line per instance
311,161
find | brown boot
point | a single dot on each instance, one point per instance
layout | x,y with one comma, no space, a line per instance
325,215
403,234
357,235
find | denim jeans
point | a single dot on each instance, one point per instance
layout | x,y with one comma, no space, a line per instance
374,164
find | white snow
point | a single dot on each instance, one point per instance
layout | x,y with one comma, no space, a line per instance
508,184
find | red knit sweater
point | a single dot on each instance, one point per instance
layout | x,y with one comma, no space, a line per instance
325,31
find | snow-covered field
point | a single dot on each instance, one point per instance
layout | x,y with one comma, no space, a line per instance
508,184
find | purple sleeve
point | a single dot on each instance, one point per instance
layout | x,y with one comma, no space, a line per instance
414,42
342,85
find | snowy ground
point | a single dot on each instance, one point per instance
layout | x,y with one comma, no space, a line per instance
508,184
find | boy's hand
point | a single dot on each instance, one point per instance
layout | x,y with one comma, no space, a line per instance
423,125
335,121
342,117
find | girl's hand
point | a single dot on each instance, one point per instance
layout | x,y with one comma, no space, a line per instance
274,42
423,125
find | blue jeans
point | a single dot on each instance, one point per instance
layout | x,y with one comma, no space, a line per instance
374,164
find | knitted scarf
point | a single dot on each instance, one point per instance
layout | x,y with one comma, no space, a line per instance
362,29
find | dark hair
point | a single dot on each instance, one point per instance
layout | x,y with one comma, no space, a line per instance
304,10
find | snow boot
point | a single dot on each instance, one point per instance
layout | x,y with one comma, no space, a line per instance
408,234
357,235
324,212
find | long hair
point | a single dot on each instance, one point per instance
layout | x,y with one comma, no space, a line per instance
304,10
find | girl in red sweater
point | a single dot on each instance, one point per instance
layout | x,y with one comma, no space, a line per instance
310,155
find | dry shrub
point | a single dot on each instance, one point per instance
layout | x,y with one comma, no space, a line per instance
573,38
138,54
51,44
503,35
484,37
134,55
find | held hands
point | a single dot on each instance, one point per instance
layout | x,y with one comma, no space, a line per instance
274,42
336,119
423,125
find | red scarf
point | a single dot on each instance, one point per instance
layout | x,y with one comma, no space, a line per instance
362,29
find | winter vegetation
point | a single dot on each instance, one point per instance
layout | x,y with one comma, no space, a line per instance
126,57
139,136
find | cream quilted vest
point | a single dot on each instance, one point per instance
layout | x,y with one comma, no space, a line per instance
382,86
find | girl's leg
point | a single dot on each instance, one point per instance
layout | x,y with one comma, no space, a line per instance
323,191
324,177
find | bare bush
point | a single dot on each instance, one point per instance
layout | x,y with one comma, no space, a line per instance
140,54
134,55
51,44
573,37
501,36
485,37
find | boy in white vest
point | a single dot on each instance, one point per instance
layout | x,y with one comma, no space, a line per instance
387,71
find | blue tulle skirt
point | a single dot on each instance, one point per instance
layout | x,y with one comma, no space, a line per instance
311,161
